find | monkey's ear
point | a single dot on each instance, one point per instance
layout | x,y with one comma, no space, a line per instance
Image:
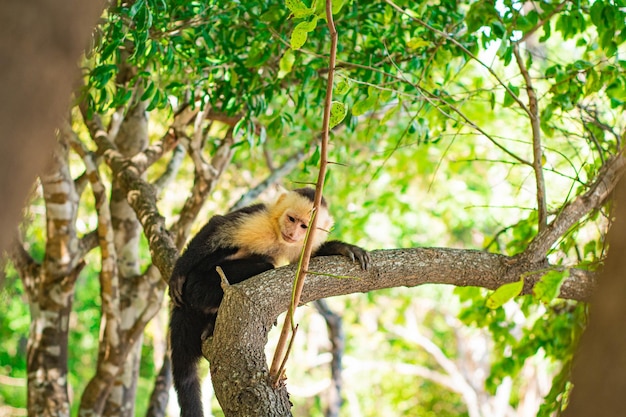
326,221
280,198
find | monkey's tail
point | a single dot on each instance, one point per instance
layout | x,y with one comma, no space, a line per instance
186,350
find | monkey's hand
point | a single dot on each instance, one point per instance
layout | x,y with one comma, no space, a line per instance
355,253
177,283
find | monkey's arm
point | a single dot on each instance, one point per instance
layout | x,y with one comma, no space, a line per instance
203,289
337,247
194,263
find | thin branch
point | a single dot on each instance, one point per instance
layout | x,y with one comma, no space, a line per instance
168,142
594,139
593,118
543,21
28,268
431,98
280,355
533,113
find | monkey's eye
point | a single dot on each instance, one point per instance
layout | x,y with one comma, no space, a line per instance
304,226
291,219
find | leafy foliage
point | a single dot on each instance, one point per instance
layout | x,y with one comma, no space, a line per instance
433,139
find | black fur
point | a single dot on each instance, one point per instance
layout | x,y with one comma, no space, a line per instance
309,193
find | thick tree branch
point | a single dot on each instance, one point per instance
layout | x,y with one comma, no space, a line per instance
206,177
249,309
572,212
140,194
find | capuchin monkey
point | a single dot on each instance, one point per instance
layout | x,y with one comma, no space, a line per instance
243,243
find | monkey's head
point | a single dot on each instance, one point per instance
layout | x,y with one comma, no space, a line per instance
293,213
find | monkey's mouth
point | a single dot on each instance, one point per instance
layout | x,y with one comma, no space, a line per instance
287,238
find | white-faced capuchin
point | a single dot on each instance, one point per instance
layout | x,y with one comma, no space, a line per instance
243,243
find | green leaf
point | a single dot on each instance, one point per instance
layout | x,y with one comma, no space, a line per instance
492,100
505,293
549,287
338,112
546,113
148,92
390,113
337,5
135,8
595,12
286,63
509,100
298,38
275,128
617,90
298,8
301,32
315,158
342,87
363,106
417,42
234,78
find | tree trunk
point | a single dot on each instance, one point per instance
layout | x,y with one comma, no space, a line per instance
40,44
131,139
598,375
160,393
50,290
47,348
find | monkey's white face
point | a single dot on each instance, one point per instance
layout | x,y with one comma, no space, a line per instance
293,227
292,213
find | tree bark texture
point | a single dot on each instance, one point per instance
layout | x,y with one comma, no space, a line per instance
599,374
239,366
131,139
51,291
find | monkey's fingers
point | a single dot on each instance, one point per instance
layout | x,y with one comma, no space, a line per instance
361,256
356,254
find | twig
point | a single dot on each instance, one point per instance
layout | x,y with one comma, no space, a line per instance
597,122
280,355
542,22
431,98
533,113
462,48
